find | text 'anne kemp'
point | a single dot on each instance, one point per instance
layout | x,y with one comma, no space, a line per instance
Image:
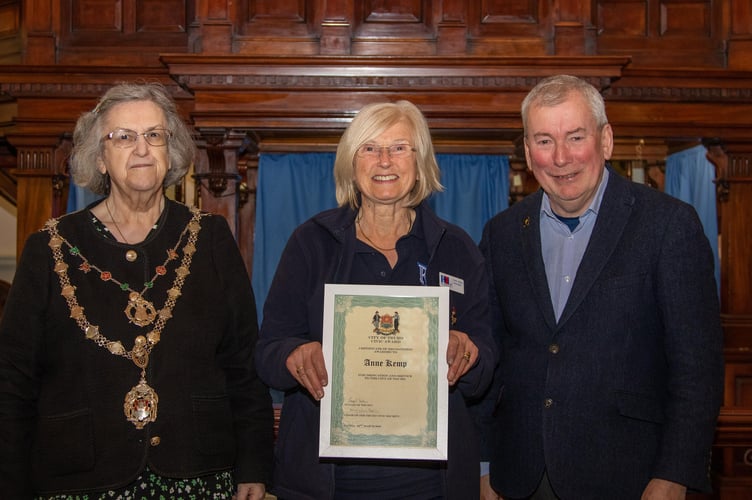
387,362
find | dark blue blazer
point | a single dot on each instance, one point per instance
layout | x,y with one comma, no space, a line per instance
627,385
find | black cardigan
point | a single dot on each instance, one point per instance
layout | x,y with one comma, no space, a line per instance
62,425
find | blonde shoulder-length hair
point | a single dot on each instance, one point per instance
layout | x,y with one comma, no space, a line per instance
370,122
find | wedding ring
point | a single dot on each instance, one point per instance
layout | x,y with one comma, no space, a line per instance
300,370
466,356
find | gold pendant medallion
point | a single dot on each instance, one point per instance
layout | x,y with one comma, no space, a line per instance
141,404
140,311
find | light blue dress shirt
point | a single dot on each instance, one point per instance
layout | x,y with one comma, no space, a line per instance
563,249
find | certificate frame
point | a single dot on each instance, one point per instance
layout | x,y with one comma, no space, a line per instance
387,396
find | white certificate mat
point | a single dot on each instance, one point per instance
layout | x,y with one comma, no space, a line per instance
385,350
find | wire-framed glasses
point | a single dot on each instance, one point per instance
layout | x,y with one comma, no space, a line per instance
125,138
396,150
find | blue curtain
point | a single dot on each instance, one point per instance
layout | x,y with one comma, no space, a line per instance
689,177
293,187
476,188
79,198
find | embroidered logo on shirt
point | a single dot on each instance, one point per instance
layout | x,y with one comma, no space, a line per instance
422,268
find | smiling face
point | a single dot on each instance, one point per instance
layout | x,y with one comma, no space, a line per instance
385,179
141,168
567,153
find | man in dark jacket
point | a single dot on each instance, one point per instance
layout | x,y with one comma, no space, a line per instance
604,301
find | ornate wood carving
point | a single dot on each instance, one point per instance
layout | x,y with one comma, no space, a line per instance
41,171
288,75
733,164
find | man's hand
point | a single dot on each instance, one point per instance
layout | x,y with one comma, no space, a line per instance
486,491
661,489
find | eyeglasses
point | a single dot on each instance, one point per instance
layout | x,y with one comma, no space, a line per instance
124,138
393,150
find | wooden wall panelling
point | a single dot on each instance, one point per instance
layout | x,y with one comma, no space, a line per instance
11,41
510,28
336,28
676,104
451,27
733,463
733,444
213,26
736,228
290,27
325,92
472,104
42,183
574,31
739,22
8,182
394,27
653,32
125,32
222,184
226,172
40,21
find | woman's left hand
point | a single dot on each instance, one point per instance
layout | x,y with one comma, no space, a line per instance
250,491
461,355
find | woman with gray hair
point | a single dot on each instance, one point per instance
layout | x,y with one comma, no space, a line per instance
126,347
383,233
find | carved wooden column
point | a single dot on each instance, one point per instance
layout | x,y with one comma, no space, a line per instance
733,164
248,170
42,190
222,185
734,188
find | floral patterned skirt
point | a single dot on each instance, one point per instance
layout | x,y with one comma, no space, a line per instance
150,486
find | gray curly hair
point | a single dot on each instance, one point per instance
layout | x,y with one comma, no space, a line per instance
88,144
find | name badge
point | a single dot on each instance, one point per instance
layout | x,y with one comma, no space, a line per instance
455,284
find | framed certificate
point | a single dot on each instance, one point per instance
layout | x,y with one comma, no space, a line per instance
385,350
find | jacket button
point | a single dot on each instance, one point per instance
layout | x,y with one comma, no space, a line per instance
548,403
553,348
155,441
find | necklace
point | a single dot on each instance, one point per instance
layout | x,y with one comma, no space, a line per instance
131,255
138,310
374,245
140,406
107,206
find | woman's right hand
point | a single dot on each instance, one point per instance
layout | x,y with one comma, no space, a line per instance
306,364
